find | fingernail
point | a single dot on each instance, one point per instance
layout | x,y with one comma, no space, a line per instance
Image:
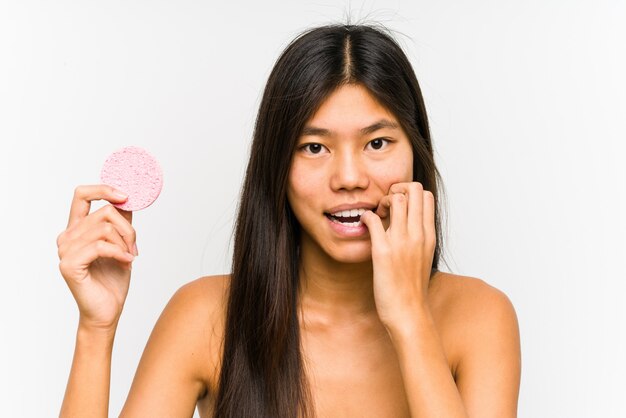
135,248
120,195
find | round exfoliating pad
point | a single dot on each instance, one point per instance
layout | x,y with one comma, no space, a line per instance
135,172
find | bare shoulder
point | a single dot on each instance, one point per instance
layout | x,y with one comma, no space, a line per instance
483,335
208,297
201,303
196,307
205,299
470,304
466,294
206,290
173,372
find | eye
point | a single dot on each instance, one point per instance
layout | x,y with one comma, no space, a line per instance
312,148
379,143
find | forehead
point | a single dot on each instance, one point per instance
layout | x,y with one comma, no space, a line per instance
351,106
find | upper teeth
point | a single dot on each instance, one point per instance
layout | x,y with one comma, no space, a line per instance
349,213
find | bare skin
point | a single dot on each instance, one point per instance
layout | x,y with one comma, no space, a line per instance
352,366
379,338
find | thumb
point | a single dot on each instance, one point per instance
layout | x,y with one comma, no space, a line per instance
375,227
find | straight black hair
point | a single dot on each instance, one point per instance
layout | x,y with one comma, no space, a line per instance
262,372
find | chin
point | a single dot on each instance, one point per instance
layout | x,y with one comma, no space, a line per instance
354,253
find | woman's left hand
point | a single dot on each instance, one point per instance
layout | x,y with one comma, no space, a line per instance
402,255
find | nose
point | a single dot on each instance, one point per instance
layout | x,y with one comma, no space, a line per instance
349,172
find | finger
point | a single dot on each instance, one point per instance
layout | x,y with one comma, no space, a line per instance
415,195
384,207
103,249
120,220
429,217
416,209
400,187
398,217
108,232
103,231
396,188
108,214
83,253
84,195
375,228
84,256
127,214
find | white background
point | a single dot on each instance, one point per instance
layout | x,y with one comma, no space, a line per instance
527,110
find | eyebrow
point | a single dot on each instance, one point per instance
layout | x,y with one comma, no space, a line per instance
381,124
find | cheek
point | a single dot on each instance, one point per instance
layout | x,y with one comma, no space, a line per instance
394,171
304,188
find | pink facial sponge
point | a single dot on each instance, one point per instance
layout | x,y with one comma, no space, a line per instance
135,172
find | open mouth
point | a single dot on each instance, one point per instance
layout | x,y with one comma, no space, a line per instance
350,217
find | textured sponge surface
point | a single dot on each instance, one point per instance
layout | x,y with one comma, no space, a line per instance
137,173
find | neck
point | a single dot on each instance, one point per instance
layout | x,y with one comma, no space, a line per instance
332,292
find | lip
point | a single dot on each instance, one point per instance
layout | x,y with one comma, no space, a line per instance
348,231
348,206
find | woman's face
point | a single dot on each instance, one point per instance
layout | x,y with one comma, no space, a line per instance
349,154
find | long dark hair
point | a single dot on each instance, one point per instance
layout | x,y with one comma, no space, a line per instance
262,373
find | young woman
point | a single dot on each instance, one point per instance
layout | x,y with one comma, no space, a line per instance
335,306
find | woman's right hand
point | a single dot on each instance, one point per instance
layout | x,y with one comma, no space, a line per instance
96,252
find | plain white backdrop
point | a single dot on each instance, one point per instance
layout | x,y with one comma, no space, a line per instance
527,108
